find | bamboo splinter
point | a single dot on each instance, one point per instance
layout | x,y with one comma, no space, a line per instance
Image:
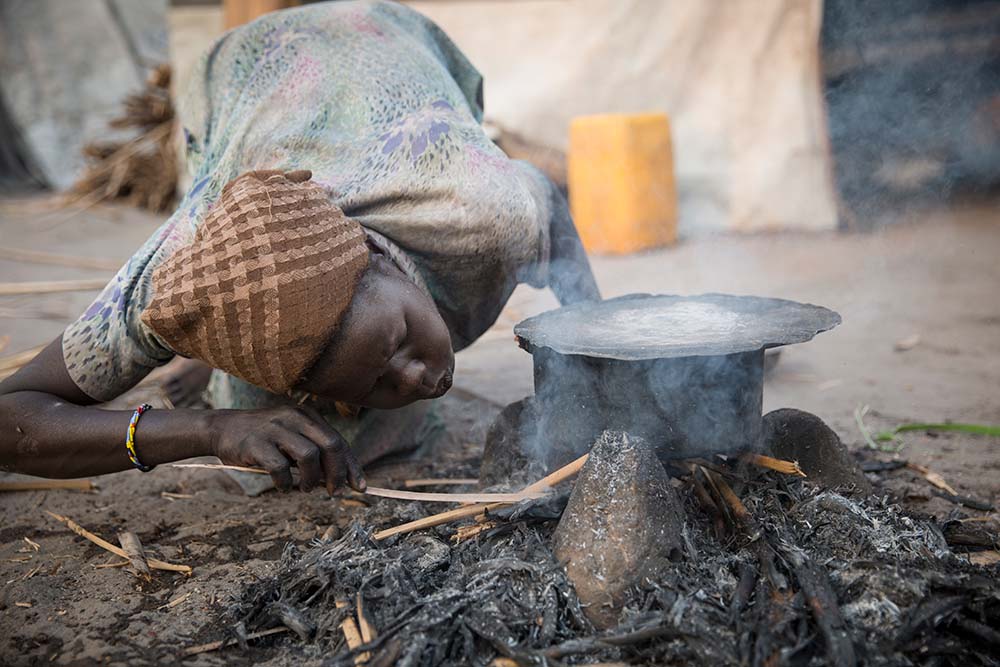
368,632
49,485
215,646
549,480
399,494
412,483
351,634
777,465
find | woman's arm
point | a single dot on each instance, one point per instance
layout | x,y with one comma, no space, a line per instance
571,277
48,427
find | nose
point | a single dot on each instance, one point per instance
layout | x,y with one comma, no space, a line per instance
444,383
409,379
417,379
439,383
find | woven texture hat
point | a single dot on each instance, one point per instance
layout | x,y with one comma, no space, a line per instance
265,283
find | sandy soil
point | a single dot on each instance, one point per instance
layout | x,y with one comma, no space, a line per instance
58,605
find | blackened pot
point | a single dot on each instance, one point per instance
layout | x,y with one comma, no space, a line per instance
686,373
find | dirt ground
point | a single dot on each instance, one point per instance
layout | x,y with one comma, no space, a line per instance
933,279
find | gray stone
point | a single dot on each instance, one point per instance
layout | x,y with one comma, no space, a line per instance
800,436
622,523
253,484
512,455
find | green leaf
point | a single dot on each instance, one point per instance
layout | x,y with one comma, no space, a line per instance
976,429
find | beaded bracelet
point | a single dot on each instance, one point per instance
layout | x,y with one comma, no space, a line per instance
130,438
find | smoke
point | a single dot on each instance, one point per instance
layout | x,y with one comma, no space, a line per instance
687,406
913,100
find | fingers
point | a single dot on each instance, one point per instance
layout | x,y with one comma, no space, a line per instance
339,462
307,457
303,437
277,464
355,474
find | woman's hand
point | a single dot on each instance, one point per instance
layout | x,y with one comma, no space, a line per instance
278,438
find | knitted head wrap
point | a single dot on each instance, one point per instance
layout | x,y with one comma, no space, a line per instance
265,282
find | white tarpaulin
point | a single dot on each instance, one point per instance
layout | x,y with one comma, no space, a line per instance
65,68
740,81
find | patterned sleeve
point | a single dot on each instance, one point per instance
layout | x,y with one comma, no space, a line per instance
108,350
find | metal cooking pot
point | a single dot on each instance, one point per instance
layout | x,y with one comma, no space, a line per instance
686,373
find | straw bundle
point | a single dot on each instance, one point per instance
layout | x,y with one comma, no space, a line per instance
142,171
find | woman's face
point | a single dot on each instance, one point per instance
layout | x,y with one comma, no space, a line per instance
392,347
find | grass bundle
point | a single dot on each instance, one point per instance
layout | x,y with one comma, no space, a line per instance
142,171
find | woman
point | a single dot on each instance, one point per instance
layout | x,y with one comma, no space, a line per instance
351,283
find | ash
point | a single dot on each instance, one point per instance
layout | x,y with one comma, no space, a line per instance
815,578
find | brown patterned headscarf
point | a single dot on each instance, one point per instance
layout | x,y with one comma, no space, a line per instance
265,283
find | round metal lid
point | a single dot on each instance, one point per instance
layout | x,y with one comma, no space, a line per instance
649,326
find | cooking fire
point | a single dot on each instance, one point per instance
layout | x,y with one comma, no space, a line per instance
695,531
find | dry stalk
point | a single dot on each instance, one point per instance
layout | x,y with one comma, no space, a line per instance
177,601
712,488
549,480
507,498
463,533
215,646
49,484
413,483
142,170
19,255
777,465
736,505
219,466
933,478
121,563
107,546
368,632
705,498
398,494
985,558
50,286
351,634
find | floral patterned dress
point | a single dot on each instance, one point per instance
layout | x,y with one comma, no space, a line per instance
385,111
